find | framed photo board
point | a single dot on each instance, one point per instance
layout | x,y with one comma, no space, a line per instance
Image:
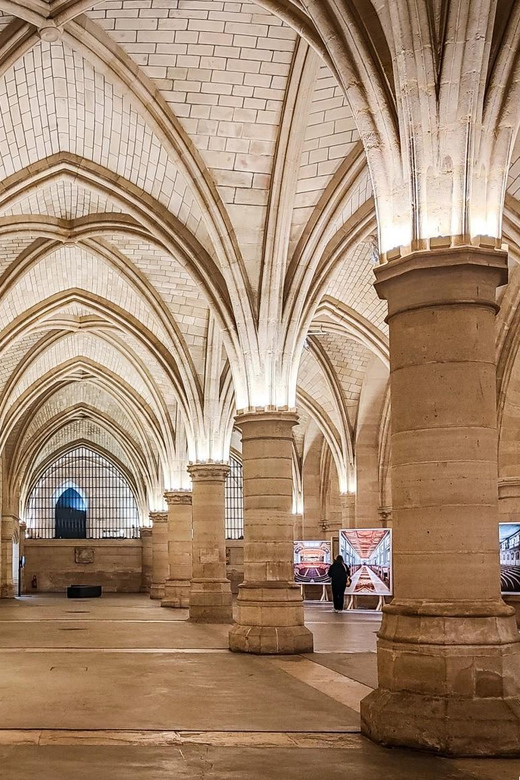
368,554
509,540
311,562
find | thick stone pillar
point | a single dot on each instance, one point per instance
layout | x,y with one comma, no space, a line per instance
210,593
448,649
177,587
147,560
270,607
7,588
21,571
160,566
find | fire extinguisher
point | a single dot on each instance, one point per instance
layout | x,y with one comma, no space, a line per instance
34,582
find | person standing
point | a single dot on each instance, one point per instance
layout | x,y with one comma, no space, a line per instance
339,575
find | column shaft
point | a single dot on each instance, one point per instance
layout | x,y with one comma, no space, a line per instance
147,559
160,566
177,586
348,510
23,531
448,649
6,571
210,593
270,607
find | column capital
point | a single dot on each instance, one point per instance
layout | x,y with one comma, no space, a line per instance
442,277
178,497
208,472
277,423
159,516
145,532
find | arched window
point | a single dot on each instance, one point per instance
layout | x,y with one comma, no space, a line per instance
82,494
234,500
70,516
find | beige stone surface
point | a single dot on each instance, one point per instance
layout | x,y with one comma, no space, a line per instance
269,608
193,199
448,648
124,650
160,561
259,719
210,593
7,528
180,527
147,559
257,763
116,565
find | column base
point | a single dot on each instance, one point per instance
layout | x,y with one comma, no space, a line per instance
452,726
176,594
270,620
210,601
449,679
157,590
514,601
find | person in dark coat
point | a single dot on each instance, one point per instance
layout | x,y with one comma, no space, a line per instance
339,573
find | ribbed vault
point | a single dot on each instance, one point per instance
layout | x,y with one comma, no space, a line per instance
193,198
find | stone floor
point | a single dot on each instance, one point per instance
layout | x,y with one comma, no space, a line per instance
121,688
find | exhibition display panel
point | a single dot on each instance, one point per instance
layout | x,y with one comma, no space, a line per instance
509,538
368,554
311,562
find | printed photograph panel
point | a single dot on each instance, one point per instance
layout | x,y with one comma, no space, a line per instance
368,554
311,562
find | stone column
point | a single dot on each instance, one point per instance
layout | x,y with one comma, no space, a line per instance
177,587
160,567
147,561
210,593
348,510
270,607
448,649
21,571
6,571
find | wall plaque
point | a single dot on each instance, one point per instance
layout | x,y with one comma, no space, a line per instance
84,555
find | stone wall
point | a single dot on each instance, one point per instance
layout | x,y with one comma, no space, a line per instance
114,564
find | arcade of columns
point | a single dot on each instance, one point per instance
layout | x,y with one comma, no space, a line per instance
188,262
448,650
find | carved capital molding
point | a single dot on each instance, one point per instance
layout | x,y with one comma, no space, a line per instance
159,517
267,423
178,497
208,472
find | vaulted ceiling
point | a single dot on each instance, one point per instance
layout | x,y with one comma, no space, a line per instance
184,194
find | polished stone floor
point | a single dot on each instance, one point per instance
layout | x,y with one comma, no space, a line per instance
119,687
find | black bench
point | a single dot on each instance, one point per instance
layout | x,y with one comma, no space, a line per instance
84,591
